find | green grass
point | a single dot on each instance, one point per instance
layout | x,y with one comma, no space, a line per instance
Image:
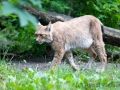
63,78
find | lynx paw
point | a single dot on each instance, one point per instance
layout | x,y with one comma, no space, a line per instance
87,67
76,68
100,70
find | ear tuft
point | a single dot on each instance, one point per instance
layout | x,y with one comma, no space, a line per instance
49,26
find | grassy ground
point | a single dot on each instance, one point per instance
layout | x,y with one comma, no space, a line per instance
63,78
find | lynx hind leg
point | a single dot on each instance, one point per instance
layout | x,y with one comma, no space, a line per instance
69,57
98,44
93,55
100,50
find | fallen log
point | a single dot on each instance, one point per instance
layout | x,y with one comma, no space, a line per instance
111,35
8,54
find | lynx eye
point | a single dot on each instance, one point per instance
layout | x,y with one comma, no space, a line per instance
41,35
36,35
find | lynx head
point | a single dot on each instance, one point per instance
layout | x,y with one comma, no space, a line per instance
43,34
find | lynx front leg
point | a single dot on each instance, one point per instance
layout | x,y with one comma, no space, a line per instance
69,57
57,58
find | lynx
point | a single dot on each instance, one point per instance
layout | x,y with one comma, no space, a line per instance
82,32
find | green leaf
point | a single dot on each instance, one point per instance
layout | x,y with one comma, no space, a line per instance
31,70
50,86
83,78
36,2
23,15
2,37
69,77
40,75
12,79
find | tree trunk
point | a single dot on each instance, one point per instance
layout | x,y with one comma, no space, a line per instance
111,36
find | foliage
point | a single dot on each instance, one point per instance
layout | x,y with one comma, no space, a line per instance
58,6
26,43
114,49
11,7
63,78
15,17
108,11
9,24
22,38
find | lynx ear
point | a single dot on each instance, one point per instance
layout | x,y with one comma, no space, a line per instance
49,26
39,23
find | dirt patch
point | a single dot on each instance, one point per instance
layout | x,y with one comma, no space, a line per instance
36,64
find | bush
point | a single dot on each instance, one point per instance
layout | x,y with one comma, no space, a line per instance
108,11
18,26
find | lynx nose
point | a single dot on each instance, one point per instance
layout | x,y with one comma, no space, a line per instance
37,40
